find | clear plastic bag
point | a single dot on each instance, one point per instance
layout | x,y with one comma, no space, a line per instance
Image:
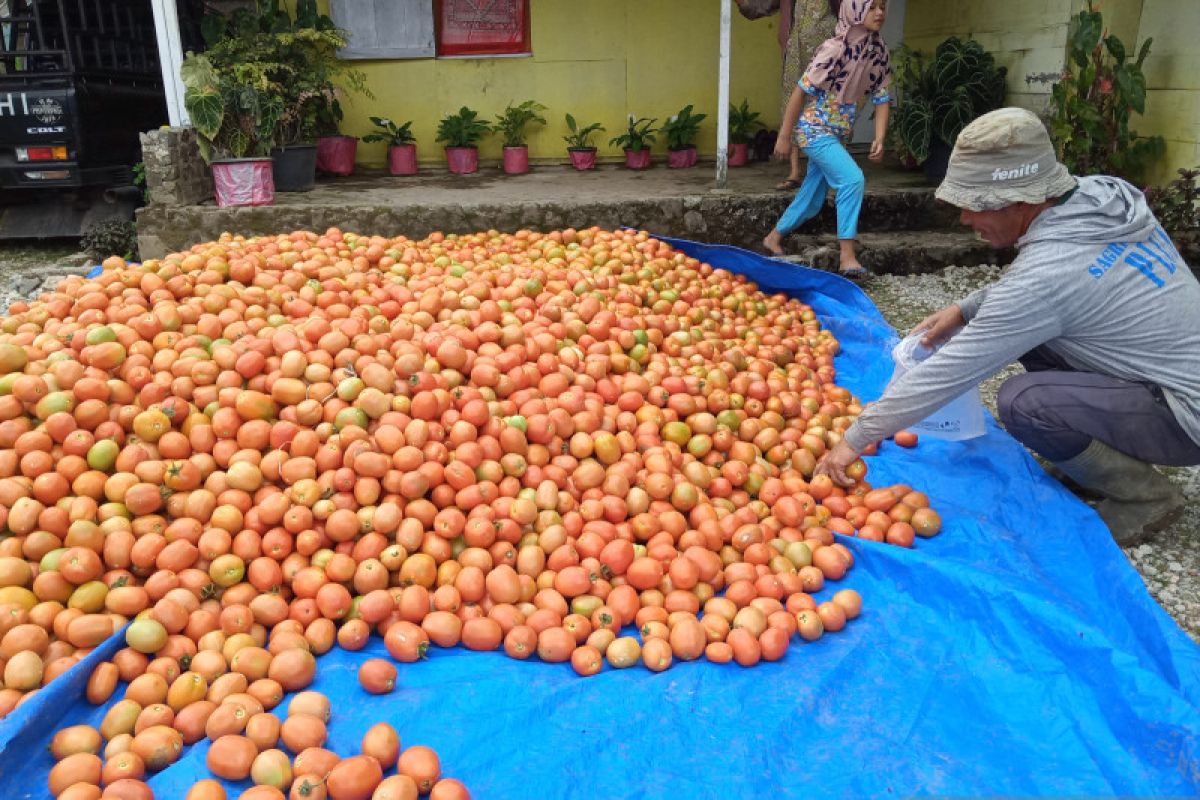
961,418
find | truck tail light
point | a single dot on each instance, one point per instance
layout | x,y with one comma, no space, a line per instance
41,154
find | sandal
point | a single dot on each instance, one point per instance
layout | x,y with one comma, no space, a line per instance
787,184
856,274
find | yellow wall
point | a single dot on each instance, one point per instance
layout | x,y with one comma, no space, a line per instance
1027,36
1173,76
598,60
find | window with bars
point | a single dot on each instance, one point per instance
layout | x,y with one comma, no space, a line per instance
82,36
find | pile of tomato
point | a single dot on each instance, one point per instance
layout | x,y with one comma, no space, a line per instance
260,448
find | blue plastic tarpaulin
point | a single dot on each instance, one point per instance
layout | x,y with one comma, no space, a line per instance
1017,653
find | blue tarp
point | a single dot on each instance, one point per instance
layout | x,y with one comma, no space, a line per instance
1018,653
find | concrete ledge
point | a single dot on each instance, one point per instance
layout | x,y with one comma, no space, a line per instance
900,253
668,202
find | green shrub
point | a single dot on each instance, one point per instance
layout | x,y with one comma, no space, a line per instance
1091,106
511,124
580,137
938,97
681,129
639,134
463,129
113,237
1177,206
743,123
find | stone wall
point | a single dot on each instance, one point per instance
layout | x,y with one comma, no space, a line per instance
175,173
176,176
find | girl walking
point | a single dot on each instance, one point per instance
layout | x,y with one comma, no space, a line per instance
848,68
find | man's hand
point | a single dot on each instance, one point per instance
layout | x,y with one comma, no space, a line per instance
783,146
876,153
834,464
940,325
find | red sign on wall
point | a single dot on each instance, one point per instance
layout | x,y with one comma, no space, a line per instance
483,27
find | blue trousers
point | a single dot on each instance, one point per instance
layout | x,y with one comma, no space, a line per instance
829,165
1056,411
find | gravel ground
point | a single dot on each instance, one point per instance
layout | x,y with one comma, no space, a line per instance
1170,564
26,268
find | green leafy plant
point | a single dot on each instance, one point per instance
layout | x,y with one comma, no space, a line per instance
139,180
463,129
395,135
235,109
639,134
937,97
297,55
1177,206
681,129
112,237
512,123
1091,106
743,123
580,138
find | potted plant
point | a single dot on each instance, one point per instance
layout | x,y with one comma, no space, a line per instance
461,132
937,98
316,79
579,144
636,141
235,110
743,123
298,60
401,152
336,151
680,130
511,125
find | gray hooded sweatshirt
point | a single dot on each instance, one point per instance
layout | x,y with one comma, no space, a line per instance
1097,281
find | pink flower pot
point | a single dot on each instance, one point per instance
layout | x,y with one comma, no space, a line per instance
582,158
402,159
516,160
243,182
681,159
462,160
637,159
335,154
739,154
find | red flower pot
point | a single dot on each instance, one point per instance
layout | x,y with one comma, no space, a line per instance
582,158
516,160
335,154
243,182
462,160
739,154
637,159
402,159
681,159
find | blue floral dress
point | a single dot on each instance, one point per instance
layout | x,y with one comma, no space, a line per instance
824,116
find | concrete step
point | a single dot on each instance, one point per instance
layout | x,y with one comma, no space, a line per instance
680,203
898,253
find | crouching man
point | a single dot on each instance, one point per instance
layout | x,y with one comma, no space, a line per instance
1099,308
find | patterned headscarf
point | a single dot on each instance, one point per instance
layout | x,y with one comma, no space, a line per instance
855,62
